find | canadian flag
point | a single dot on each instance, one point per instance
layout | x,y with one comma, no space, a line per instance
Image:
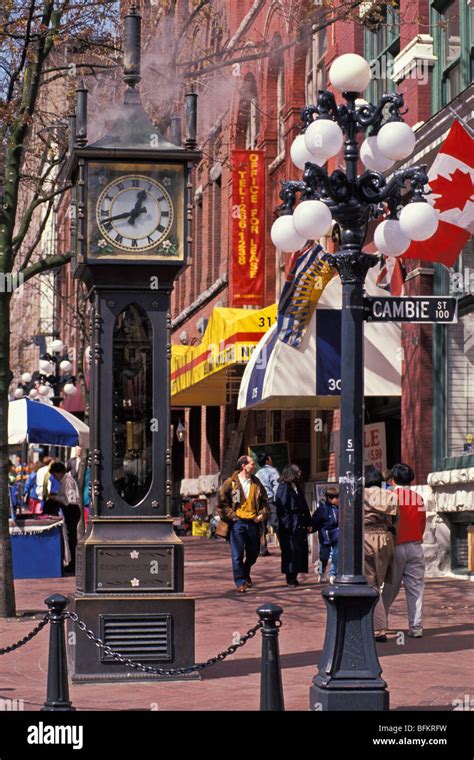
452,184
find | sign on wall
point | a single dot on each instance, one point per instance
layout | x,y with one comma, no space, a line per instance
375,446
248,228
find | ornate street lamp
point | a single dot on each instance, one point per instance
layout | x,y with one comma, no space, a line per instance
55,373
349,676
131,228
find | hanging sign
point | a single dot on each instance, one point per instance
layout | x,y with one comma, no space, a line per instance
248,228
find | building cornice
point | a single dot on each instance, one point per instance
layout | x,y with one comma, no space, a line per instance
419,50
205,296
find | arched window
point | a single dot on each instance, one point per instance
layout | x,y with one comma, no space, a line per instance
248,122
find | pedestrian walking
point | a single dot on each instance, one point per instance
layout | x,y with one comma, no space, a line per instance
73,464
68,500
294,524
243,505
30,495
326,521
43,484
269,477
380,518
409,561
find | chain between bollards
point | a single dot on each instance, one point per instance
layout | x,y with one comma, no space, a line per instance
57,694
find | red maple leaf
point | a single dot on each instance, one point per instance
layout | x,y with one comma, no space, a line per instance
455,191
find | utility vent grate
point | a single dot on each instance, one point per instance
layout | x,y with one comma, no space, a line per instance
138,637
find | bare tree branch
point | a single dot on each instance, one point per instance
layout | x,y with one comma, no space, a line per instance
44,265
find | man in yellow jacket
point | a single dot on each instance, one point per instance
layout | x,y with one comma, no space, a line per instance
243,505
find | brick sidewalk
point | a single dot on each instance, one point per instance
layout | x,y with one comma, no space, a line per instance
427,673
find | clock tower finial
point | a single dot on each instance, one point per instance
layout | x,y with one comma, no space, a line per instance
132,45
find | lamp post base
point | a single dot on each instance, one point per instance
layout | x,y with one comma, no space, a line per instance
349,670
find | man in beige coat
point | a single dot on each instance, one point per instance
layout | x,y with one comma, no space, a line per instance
380,519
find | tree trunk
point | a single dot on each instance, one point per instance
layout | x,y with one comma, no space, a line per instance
7,590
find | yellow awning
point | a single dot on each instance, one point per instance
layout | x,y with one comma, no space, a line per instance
198,373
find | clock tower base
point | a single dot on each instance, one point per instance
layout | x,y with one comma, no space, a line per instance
130,595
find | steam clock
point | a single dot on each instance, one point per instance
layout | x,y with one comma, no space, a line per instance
132,200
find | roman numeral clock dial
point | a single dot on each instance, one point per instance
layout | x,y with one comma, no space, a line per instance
134,213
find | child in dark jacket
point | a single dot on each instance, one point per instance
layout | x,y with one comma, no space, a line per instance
326,521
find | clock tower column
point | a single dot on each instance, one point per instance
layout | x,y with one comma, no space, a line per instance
132,211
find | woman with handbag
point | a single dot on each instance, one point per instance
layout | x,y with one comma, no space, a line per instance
294,524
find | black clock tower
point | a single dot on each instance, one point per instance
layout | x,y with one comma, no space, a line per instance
132,238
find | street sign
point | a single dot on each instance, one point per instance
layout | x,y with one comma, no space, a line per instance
427,309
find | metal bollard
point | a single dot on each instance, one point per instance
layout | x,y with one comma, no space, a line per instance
271,688
57,693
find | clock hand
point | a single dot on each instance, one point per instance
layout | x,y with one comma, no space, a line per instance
125,214
138,208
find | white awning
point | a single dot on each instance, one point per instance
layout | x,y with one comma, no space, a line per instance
279,376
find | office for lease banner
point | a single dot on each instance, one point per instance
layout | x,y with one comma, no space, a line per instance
248,228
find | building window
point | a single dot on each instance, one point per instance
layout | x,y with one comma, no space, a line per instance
252,124
453,378
452,24
315,66
279,110
248,122
381,45
460,387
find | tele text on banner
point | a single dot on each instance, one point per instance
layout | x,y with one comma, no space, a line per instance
248,228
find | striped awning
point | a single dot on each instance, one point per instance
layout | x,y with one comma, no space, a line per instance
199,374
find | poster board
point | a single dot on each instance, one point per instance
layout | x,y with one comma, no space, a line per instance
319,489
279,452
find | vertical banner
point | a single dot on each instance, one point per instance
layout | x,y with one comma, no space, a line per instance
248,228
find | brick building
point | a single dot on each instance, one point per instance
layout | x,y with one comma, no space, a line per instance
424,50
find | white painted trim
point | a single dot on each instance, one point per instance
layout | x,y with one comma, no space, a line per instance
418,50
417,272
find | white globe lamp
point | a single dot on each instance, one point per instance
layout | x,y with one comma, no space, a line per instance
372,157
300,154
389,238
65,366
44,390
312,219
70,389
350,73
284,235
323,139
419,221
26,377
57,346
45,367
396,140
33,393
19,393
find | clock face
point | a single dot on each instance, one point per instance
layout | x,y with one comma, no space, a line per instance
134,213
